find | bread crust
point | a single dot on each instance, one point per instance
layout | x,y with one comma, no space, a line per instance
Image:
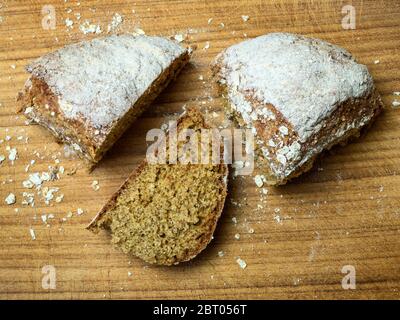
47,98
101,220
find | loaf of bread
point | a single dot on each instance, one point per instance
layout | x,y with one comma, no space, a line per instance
87,94
299,95
167,213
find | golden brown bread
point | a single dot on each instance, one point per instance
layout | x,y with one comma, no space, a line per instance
166,213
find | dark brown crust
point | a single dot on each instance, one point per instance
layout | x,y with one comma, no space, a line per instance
100,220
342,141
67,131
373,101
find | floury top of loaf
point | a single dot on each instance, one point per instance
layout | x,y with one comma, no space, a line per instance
87,94
102,78
297,84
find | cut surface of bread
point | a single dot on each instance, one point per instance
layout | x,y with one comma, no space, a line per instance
166,213
300,96
87,94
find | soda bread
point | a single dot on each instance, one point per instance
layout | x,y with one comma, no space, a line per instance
87,94
299,95
166,213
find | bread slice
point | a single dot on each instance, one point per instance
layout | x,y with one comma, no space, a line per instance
88,93
166,213
300,96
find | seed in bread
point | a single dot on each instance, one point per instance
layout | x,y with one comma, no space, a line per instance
299,95
87,94
166,213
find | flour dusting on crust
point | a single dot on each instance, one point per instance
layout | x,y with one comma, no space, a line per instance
302,78
98,81
291,91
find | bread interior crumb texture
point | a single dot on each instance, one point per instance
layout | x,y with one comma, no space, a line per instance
167,213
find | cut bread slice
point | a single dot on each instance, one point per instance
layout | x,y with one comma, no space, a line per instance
299,96
87,94
166,213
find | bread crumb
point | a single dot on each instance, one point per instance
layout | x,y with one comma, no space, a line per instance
245,18
207,45
258,179
237,236
87,27
48,194
59,198
179,37
69,23
32,232
28,199
95,185
117,19
277,217
209,21
242,264
13,154
27,184
396,104
79,211
376,61
10,199
34,179
221,253
2,158
139,31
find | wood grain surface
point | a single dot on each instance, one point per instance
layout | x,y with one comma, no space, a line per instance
295,240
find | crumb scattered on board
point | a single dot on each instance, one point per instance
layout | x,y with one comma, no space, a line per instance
10,199
396,104
242,264
117,19
32,233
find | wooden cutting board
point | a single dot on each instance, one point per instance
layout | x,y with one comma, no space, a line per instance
295,240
